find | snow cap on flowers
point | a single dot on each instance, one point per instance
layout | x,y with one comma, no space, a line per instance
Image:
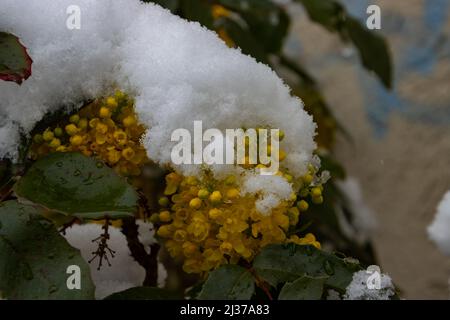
358,288
178,72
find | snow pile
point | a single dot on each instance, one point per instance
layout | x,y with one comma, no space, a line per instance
124,272
271,190
363,222
439,229
359,290
178,71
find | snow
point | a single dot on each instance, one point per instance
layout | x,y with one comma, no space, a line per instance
124,272
358,289
178,71
271,190
439,229
363,222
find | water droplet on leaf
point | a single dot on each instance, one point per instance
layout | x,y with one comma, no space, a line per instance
26,271
329,269
52,289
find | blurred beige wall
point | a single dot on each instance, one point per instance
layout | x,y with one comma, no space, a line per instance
404,171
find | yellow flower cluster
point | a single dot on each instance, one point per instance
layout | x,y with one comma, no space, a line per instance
206,222
106,129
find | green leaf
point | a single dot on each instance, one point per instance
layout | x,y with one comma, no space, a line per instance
143,293
304,288
34,257
285,263
15,63
244,39
373,50
229,282
328,13
199,11
267,22
73,184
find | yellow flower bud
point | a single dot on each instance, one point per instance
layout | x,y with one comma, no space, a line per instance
293,197
303,205
58,132
93,122
48,135
128,153
230,180
163,201
55,143
101,128
164,231
203,194
180,235
215,197
76,140
104,112
215,213
280,135
195,203
282,155
316,192
71,129
191,180
111,102
129,121
114,156
233,193
38,138
74,118
226,247
307,178
82,124
165,216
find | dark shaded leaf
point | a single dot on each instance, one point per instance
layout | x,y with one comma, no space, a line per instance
73,184
34,258
267,22
229,282
373,50
286,263
304,288
196,10
244,39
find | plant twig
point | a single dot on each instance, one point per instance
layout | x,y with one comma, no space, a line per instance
103,250
149,261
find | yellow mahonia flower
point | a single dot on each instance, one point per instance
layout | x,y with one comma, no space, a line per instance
106,129
214,224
